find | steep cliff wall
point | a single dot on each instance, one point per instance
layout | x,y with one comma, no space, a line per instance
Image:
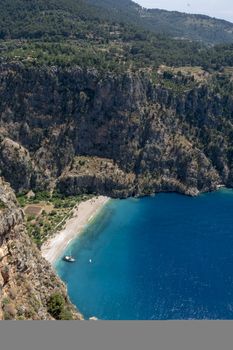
80,131
27,281
159,137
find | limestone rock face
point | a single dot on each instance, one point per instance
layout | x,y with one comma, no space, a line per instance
101,175
26,280
176,138
16,164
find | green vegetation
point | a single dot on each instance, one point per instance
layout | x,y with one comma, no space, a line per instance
2,205
195,27
57,307
5,301
56,208
178,83
39,196
65,33
9,312
128,52
41,18
37,19
177,24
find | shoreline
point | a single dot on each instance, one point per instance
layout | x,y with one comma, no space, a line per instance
82,214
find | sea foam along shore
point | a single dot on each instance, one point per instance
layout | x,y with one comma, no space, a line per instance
82,214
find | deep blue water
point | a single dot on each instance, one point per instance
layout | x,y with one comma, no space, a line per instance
163,257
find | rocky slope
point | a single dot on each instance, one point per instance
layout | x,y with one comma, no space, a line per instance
27,281
169,132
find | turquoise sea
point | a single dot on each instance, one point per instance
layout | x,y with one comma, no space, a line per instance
155,258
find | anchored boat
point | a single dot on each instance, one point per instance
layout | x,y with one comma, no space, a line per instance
68,258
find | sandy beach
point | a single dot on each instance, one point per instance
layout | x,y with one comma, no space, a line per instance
82,214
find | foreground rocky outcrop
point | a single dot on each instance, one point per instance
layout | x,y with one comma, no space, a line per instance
27,281
172,133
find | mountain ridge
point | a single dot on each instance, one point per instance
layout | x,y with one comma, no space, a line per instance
195,27
18,16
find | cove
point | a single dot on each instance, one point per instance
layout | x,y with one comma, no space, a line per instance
155,258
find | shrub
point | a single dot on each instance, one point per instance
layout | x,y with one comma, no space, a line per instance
41,196
9,311
28,286
66,315
20,311
7,316
56,307
5,274
21,318
82,162
13,293
29,313
35,303
2,205
22,200
5,301
31,217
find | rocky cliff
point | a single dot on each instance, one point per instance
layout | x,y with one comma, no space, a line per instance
27,281
138,133
80,131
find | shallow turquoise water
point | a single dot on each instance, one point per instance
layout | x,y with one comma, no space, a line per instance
162,257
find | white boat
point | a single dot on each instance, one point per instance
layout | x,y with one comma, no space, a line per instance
68,258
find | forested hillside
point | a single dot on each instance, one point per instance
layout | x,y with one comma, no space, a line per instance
176,24
36,19
189,27
73,32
